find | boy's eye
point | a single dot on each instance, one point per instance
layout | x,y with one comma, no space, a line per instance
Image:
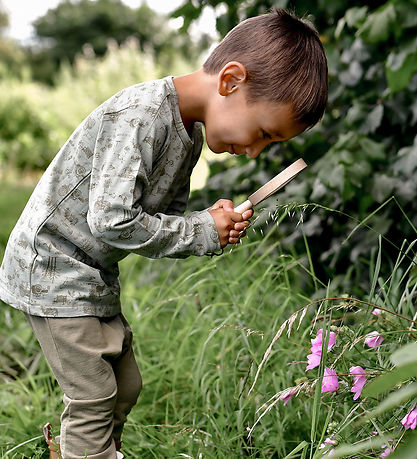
266,135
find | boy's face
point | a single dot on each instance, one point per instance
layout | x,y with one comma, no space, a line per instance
232,125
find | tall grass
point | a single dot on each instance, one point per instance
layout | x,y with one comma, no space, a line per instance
218,341
13,199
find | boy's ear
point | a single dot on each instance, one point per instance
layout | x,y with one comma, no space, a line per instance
230,77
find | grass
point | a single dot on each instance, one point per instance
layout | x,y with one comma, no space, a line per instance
13,198
217,341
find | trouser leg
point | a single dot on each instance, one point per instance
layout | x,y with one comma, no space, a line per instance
129,383
83,353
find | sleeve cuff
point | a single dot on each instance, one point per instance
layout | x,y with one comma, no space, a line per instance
209,232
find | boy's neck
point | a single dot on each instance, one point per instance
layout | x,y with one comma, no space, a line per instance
193,92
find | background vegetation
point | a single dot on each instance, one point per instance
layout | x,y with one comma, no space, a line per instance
219,340
365,149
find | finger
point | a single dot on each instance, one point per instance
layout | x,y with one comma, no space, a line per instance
236,217
234,240
247,214
242,234
234,234
240,226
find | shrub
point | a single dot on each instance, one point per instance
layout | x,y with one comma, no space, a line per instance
365,149
36,120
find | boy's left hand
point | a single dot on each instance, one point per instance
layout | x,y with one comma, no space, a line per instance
236,233
239,230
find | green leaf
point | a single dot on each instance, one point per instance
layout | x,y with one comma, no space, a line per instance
372,149
407,354
408,448
401,66
390,379
379,25
298,448
346,450
346,141
336,177
355,16
189,12
373,120
339,28
376,270
382,187
406,159
393,400
407,14
223,24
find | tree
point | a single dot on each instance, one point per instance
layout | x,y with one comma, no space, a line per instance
12,57
66,30
4,19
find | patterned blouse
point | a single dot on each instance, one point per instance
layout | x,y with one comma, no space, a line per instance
120,184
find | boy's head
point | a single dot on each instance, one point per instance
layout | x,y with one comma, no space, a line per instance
284,60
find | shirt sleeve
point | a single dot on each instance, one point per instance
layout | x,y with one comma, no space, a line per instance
179,203
120,172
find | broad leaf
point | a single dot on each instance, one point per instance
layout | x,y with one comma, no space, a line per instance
379,25
390,379
401,66
373,120
346,450
407,449
355,16
405,355
393,400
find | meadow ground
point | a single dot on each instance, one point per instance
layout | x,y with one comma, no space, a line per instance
218,340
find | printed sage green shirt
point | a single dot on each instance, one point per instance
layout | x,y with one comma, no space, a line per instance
120,184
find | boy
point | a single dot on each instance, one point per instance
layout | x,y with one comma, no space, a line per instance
120,184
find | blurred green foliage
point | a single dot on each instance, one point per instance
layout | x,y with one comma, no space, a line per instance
74,26
36,120
86,27
94,49
363,151
13,199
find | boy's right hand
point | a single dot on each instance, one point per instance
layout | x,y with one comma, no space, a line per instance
225,219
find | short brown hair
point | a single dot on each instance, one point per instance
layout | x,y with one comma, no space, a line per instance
285,61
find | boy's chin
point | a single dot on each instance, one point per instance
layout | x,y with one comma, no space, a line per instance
218,149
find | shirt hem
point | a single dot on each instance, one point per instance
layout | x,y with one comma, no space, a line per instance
84,308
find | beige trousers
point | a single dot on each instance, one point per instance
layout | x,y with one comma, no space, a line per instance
93,361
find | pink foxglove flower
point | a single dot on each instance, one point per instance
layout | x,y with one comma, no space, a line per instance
409,421
316,345
330,382
317,342
359,380
373,339
386,452
286,395
326,442
313,361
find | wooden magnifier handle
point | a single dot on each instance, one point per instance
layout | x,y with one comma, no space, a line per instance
243,207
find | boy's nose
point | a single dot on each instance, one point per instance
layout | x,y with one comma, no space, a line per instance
254,150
